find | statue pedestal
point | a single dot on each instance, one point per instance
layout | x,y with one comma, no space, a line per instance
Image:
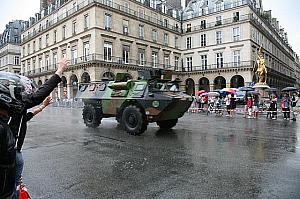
261,89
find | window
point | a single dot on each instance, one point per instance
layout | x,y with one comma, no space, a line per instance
126,7
203,40
236,3
154,35
236,16
176,63
47,63
203,24
188,27
189,63
33,66
16,39
17,61
166,22
166,39
141,57
219,37
47,39
236,58
74,27
125,54
23,51
125,27
64,32
86,21
153,4
33,46
236,34
141,13
41,64
107,21
107,51
63,53
176,42
54,36
189,42
141,31
74,55
218,20
219,60
154,59
166,61
219,6
204,62
86,51
28,49
54,60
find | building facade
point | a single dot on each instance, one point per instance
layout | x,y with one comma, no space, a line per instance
10,50
220,44
210,45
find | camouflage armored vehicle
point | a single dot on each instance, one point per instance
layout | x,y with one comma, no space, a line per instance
134,103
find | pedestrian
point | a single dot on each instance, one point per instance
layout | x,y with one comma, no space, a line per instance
255,106
249,105
227,103
273,107
232,105
18,123
294,102
285,106
12,97
246,106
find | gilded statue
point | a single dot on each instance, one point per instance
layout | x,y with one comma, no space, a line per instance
261,68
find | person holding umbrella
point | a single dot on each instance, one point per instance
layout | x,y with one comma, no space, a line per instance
273,107
293,105
285,106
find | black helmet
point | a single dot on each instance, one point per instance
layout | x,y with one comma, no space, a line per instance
14,91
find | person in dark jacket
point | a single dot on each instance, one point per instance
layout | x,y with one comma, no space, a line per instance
12,97
18,123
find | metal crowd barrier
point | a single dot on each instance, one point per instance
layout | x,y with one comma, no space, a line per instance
68,104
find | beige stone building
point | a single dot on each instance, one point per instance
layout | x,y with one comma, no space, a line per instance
10,58
211,45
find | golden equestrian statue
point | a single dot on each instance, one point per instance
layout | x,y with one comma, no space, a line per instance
261,69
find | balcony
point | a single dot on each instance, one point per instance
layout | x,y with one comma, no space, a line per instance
223,22
211,67
93,59
107,3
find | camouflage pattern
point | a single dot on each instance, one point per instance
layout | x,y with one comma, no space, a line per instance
151,94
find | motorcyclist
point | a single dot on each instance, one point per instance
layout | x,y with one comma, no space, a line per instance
12,97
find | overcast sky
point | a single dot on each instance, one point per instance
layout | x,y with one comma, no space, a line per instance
286,11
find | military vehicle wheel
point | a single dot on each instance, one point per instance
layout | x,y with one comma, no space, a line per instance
167,124
92,116
133,120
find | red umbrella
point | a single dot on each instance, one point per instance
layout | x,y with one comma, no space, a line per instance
200,92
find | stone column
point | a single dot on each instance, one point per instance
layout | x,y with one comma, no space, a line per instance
70,91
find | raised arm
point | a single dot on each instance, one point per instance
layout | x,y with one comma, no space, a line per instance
48,86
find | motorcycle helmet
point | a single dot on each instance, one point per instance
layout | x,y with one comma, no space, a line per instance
14,91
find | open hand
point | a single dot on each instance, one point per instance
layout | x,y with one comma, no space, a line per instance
62,65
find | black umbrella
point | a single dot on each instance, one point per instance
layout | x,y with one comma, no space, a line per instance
289,89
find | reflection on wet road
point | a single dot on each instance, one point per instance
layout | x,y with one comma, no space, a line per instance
203,157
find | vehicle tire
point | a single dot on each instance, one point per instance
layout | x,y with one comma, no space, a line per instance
133,120
167,124
92,116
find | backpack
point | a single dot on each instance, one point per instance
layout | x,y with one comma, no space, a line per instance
7,161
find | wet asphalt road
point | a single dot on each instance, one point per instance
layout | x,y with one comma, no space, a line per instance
203,157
